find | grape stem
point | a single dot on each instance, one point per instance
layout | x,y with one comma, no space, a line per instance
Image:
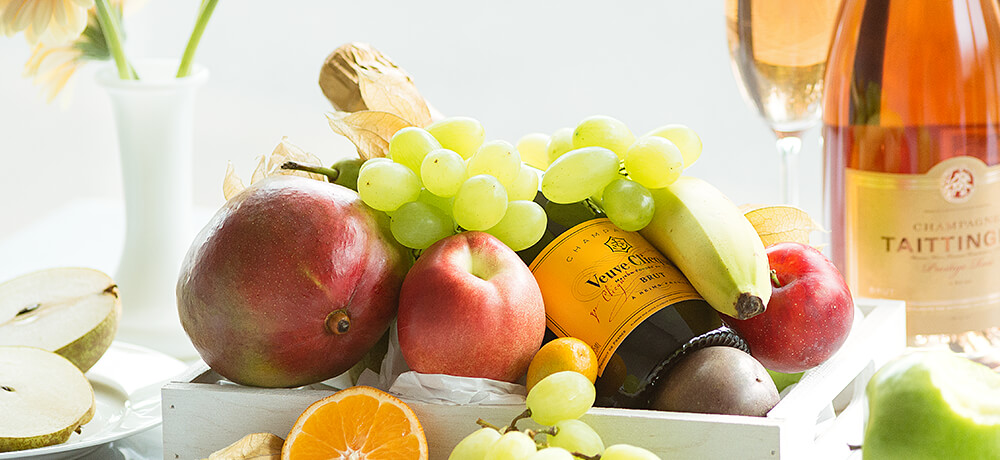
591,204
513,423
585,456
330,173
485,424
549,430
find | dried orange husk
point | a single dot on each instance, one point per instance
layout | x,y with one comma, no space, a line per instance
357,77
338,78
270,165
231,184
776,224
369,130
394,94
254,446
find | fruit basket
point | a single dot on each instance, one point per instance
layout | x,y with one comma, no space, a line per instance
822,414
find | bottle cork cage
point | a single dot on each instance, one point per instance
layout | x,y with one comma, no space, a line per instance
823,413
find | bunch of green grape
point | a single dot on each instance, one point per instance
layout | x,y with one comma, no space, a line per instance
602,161
556,402
447,178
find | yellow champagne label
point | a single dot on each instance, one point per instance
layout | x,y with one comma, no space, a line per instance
930,239
599,282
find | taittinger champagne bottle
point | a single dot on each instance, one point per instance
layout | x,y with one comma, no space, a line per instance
912,145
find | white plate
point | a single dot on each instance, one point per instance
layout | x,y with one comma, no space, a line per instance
127,382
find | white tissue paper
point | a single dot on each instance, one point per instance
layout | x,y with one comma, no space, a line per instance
396,377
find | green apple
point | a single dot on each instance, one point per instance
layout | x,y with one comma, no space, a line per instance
44,398
933,405
71,311
783,380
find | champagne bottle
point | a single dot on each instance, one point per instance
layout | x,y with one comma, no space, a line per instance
612,289
912,163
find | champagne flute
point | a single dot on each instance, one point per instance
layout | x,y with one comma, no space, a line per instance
778,49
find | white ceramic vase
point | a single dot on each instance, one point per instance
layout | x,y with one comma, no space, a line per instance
154,117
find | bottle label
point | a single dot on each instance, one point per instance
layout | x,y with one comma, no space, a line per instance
600,282
930,239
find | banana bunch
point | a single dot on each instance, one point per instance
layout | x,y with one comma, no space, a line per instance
707,237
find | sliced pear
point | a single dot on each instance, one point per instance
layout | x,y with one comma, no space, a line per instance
71,311
44,398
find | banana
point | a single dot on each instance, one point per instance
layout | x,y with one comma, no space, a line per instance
707,237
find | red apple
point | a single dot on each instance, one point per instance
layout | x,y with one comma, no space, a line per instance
290,283
809,315
470,307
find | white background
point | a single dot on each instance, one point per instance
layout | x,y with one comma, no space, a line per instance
517,66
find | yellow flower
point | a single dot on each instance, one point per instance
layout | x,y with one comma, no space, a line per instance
52,66
47,21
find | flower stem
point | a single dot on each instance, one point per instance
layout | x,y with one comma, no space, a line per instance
207,7
113,37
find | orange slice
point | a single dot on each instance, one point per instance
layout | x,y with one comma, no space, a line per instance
360,423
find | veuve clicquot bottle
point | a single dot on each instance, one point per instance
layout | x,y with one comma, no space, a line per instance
912,146
612,289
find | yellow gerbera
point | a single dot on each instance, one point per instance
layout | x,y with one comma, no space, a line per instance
48,21
52,66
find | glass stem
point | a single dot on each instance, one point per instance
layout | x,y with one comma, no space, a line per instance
789,145
207,7
113,37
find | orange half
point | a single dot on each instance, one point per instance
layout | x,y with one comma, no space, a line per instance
361,423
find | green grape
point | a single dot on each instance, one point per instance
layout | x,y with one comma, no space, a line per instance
628,204
410,145
373,161
576,436
512,445
579,174
560,143
560,396
475,445
551,453
627,452
443,172
442,203
686,140
498,159
480,203
631,384
463,135
385,185
654,162
534,149
602,131
525,185
418,225
522,226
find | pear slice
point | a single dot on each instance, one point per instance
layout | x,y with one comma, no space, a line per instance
44,398
71,311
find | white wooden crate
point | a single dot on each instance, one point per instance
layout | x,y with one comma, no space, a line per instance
816,419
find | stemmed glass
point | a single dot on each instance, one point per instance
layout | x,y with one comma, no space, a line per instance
778,49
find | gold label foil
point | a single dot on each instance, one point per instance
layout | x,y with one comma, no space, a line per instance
931,239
